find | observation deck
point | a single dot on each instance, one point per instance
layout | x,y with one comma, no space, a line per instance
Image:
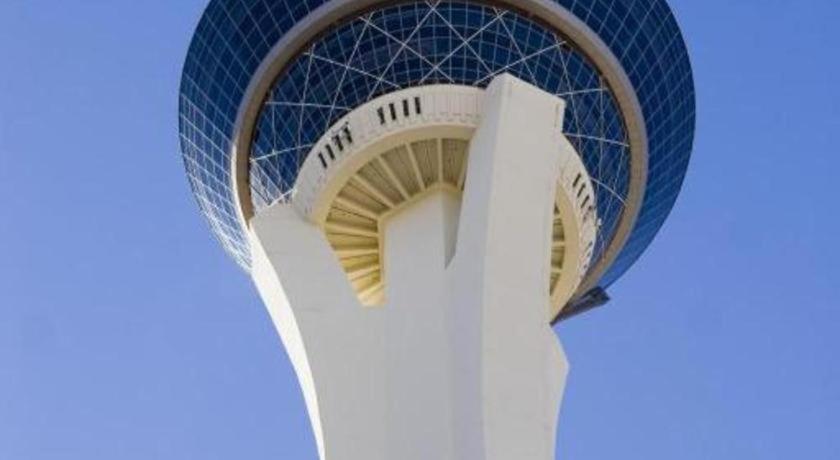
265,80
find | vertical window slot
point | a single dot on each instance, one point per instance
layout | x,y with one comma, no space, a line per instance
338,143
330,152
417,107
347,134
393,111
323,161
406,112
381,112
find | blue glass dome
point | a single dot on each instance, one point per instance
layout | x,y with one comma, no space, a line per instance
403,44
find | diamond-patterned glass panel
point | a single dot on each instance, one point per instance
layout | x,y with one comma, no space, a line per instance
424,42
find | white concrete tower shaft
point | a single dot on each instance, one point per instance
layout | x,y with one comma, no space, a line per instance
457,360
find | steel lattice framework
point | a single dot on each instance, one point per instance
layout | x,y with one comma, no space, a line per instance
422,43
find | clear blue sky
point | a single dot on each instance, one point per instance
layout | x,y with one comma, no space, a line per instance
126,333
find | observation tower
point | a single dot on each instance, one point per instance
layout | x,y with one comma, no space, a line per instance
419,189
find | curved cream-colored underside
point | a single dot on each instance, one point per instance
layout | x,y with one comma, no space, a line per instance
397,149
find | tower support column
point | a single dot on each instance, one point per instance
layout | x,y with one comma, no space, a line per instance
500,277
461,362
